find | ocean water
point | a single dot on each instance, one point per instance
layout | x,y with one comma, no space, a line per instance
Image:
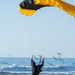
22,66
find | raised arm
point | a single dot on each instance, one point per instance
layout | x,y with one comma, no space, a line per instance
33,64
42,63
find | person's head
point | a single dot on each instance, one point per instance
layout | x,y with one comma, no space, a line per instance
38,69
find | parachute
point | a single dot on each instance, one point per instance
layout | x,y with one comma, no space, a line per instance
29,7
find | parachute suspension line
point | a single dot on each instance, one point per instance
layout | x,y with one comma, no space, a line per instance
31,39
42,37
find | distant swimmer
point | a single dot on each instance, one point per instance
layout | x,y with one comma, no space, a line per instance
36,69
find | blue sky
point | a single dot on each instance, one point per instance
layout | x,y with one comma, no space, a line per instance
48,31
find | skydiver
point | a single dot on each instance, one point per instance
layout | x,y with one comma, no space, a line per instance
36,69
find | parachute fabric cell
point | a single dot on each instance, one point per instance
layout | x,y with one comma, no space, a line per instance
70,9
26,12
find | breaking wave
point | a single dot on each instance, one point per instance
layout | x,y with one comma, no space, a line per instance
14,68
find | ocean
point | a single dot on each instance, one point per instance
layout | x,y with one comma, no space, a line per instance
22,66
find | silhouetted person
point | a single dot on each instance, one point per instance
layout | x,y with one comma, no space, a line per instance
36,69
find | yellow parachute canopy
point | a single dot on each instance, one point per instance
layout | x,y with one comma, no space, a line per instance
34,5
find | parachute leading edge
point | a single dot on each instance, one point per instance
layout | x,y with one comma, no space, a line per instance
29,7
